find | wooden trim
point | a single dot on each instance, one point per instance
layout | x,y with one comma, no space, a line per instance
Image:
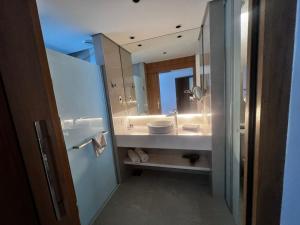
152,71
28,87
270,59
250,111
171,64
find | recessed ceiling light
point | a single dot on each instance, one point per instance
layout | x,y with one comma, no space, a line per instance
164,53
179,36
140,45
136,1
178,26
132,37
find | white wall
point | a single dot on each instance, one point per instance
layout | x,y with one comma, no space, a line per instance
290,214
216,32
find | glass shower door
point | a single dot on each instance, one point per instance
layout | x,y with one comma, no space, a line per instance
82,108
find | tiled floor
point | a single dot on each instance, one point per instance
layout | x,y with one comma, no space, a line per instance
164,198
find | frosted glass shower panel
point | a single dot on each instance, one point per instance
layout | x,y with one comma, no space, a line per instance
82,107
78,106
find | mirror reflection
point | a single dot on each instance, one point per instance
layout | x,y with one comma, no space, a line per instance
161,75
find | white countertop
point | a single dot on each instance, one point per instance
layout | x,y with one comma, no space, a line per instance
183,139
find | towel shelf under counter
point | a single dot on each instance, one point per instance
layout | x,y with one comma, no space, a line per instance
173,161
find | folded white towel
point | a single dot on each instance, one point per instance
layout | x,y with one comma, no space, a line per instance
191,127
133,156
143,156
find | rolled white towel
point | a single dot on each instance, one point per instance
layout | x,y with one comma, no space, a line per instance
143,156
133,156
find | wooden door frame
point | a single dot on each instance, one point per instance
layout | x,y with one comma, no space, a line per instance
270,59
28,87
152,71
179,94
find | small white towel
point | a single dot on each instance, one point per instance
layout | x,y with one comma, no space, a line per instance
99,143
143,156
133,156
191,127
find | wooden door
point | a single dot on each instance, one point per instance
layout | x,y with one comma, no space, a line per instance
153,70
13,175
182,99
153,92
29,93
270,60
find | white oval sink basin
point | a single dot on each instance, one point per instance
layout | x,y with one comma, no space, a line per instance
161,127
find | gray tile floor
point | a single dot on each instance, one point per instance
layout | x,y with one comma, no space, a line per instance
164,198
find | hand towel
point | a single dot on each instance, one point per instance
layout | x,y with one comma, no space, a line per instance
99,143
143,156
191,127
133,156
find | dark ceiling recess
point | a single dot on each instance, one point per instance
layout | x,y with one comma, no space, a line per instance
164,53
140,45
136,1
179,36
132,37
178,26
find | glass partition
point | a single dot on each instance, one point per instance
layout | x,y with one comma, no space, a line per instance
81,103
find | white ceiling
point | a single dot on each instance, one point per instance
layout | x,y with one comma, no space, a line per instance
66,24
152,50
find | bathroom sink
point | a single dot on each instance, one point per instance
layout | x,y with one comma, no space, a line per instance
161,127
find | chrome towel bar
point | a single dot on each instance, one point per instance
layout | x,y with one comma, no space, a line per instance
87,141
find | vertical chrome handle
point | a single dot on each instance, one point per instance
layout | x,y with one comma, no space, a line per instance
47,158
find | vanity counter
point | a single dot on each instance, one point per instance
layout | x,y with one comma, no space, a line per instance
140,137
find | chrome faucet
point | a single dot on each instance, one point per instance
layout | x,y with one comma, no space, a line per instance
175,114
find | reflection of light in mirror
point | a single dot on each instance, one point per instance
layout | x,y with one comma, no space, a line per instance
138,125
193,115
68,124
161,116
244,16
77,129
244,21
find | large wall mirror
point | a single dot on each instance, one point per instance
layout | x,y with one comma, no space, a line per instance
161,75
170,73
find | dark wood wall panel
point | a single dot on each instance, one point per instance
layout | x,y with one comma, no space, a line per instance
152,71
274,56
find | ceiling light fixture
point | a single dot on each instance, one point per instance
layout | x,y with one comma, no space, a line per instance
132,37
140,45
179,36
178,26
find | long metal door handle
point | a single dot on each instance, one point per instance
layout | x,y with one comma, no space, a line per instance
49,167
